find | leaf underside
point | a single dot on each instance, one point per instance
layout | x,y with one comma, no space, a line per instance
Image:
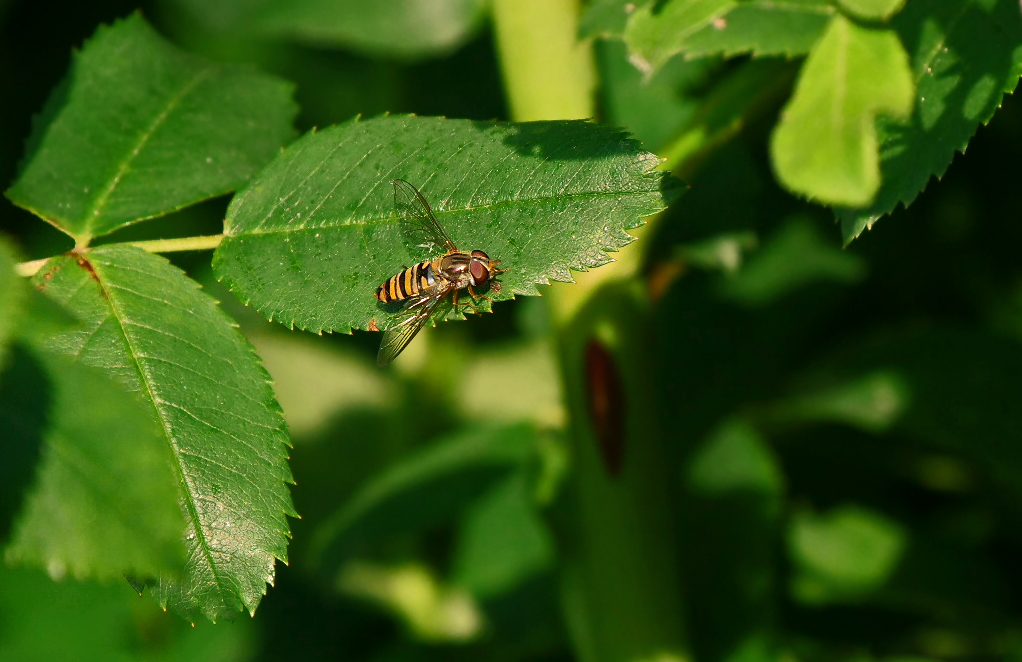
309,241
148,325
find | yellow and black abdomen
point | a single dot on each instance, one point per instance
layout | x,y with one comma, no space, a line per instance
411,281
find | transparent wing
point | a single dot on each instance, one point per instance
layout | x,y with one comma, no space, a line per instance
414,316
420,224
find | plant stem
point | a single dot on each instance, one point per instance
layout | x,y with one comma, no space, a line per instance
200,243
613,525
548,73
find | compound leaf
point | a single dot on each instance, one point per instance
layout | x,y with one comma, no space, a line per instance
150,327
312,237
138,129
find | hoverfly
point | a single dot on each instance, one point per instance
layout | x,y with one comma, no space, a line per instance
424,285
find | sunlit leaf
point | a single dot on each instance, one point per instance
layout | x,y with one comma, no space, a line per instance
872,10
139,129
965,57
843,555
150,327
825,146
312,237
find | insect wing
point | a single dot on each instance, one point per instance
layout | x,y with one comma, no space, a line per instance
420,224
415,314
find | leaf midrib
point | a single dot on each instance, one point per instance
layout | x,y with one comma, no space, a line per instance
94,211
134,354
392,218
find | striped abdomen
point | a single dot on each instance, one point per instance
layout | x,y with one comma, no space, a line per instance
409,282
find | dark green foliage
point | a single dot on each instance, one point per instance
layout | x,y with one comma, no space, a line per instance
751,434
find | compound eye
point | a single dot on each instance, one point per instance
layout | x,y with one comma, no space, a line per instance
480,255
480,271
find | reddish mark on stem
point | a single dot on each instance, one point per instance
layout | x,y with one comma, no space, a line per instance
606,402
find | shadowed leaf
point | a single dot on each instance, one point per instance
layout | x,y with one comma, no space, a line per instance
138,129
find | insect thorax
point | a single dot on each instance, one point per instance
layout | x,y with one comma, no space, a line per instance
454,267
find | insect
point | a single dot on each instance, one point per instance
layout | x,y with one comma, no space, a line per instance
424,285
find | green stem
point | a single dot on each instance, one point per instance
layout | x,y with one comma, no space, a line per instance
548,73
201,243
617,555
619,575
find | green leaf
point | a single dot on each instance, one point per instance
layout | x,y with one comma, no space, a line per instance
731,515
314,235
606,18
656,32
104,499
652,109
425,488
949,389
398,28
872,401
843,555
502,541
138,129
151,327
89,622
762,27
872,10
12,294
825,146
795,256
965,56
735,459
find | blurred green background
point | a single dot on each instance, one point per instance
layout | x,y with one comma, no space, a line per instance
839,426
